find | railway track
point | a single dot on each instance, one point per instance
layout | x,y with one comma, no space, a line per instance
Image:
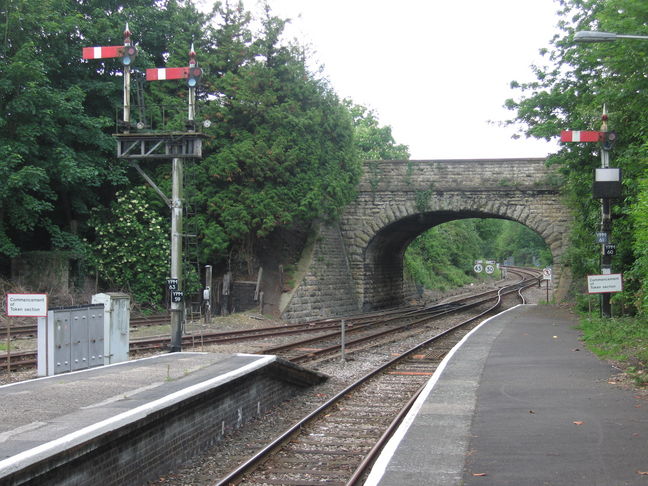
338,441
338,450
32,329
361,328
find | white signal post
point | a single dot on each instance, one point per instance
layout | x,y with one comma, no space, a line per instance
191,73
129,144
191,115
127,79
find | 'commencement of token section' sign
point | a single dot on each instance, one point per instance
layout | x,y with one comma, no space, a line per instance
604,284
27,305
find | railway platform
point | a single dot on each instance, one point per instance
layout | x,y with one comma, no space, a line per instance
521,402
127,423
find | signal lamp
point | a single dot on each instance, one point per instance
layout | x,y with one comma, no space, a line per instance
194,76
128,54
609,138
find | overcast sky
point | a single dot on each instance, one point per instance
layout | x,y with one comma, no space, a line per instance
436,71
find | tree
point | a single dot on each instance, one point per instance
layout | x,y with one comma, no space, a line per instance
443,257
374,142
639,270
131,245
52,153
57,112
569,93
281,149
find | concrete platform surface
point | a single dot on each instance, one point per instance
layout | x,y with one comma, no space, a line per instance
41,417
521,402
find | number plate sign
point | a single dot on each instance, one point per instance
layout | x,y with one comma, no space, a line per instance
177,296
601,237
172,283
609,250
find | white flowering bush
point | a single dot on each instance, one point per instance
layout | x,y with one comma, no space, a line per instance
132,247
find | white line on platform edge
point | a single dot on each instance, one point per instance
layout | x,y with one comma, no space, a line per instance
25,458
380,466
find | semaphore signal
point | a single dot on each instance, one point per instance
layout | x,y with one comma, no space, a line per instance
127,52
607,186
102,52
163,74
160,145
191,73
580,136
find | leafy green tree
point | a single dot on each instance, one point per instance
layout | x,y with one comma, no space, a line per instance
443,257
132,245
281,148
523,244
570,93
373,141
57,111
52,153
639,270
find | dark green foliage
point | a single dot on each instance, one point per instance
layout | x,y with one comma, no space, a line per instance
282,143
570,93
53,155
639,270
373,141
443,257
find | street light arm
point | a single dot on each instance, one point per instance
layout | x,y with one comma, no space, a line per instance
589,36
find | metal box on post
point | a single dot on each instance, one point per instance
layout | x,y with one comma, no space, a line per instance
70,339
116,325
607,183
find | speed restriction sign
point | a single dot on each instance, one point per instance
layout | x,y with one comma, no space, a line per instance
478,268
490,269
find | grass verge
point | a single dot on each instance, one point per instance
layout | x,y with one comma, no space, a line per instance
621,339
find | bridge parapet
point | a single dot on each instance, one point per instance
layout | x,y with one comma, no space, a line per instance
462,174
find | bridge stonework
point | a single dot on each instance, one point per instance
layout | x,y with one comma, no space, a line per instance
399,200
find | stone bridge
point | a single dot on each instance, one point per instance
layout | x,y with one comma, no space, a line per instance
357,264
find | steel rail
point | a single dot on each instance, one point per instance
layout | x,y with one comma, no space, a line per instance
235,475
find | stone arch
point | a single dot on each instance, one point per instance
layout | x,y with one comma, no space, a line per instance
376,259
387,214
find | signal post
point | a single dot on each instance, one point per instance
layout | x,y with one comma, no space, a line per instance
135,144
606,186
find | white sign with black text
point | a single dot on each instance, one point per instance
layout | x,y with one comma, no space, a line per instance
603,284
27,305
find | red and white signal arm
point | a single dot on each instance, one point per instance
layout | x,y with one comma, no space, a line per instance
580,136
102,52
162,74
127,53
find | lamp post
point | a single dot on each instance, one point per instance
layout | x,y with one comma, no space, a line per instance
590,36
